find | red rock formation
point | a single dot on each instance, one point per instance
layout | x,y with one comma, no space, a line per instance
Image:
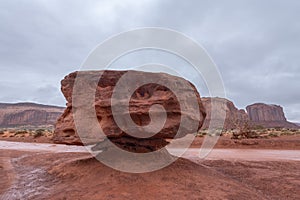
263,112
234,117
28,114
143,98
268,116
259,114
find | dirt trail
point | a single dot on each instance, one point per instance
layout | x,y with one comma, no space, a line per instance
7,173
40,147
29,181
47,171
192,153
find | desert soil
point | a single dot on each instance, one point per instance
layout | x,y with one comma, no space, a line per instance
47,171
291,142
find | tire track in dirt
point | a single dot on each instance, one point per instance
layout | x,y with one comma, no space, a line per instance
7,174
27,182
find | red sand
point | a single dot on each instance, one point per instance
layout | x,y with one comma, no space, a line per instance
51,175
291,142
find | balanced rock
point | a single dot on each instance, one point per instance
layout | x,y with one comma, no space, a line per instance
143,99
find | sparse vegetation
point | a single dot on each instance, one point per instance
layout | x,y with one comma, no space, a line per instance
38,133
243,130
274,134
201,133
211,132
20,132
258,127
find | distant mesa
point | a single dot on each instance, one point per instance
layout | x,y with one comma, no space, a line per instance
257,115
28,115
263,112
268,116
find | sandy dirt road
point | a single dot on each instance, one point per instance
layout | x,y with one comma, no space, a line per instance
192,153
50,171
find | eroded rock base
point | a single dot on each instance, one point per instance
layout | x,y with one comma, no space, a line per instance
132,144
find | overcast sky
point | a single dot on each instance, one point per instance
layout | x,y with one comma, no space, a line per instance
255,43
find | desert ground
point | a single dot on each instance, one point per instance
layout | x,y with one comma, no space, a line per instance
261,168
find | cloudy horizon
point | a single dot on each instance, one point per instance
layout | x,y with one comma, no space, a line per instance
255,44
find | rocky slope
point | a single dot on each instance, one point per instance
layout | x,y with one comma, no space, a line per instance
28,114
268,116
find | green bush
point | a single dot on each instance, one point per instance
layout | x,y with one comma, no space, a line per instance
20,132
274,134
278,128
38,133
258,127
287,132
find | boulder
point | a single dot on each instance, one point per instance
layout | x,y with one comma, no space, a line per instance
143,98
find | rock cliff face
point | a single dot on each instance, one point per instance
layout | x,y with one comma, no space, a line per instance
268,116
140,103
258,114
263,112
233,117
28,114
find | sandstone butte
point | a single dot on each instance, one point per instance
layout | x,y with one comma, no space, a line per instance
257,115
28,115
233,116
140,102
268,116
